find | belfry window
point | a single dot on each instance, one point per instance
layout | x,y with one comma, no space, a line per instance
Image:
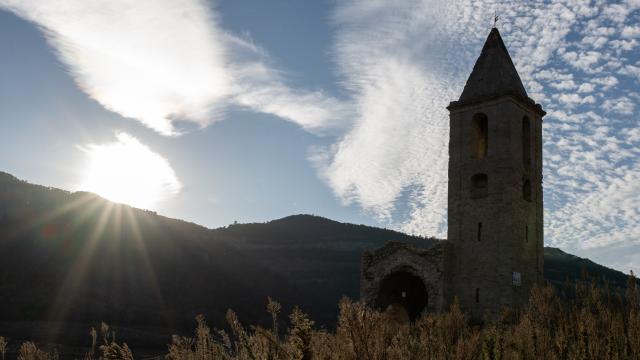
479,235
479,185
477,295
526,141
526,190
479,136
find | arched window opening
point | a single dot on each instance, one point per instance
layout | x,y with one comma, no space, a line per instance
477,295
479,231
526,190
479,136
479,185
526,141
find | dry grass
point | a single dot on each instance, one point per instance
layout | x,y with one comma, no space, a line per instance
587,322
3,346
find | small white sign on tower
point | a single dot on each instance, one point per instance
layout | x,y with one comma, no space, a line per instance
517,278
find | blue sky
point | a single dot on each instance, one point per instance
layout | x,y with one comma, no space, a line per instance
252,110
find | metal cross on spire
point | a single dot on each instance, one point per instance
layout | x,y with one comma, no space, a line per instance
495,19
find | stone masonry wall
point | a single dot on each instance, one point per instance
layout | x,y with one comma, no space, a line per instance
427,264
482,270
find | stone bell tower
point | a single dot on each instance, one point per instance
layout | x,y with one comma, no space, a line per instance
495,187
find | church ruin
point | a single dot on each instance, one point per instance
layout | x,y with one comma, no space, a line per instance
493,254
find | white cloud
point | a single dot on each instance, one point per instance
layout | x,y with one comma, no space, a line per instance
148,60
583,61
393,162
607,82
564,85
613,203
631,70
263,89
569,99
623,45
572,99
586,88
618,12
629,32
399,141
162,61
595,41
622,105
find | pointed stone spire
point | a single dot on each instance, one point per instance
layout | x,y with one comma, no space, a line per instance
493,75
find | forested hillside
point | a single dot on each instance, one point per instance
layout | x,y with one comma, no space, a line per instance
77,258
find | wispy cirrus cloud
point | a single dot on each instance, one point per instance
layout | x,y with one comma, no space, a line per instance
165,61
397,151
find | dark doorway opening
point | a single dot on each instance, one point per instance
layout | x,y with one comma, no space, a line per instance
402,290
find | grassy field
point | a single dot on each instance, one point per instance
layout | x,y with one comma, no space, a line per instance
580,321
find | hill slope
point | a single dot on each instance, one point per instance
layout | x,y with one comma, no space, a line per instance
313,252
560,266
75,257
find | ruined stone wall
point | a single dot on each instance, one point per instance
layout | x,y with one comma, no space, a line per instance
427,264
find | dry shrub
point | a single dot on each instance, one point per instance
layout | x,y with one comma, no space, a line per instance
109,349
202,347
362,333
29,351
3,346
300,336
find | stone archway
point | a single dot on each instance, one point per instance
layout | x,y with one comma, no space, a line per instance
403,294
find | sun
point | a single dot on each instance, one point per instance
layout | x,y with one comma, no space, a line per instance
126,171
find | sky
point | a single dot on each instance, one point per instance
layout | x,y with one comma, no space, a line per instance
236,110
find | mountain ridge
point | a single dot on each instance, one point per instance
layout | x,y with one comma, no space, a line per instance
133,267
